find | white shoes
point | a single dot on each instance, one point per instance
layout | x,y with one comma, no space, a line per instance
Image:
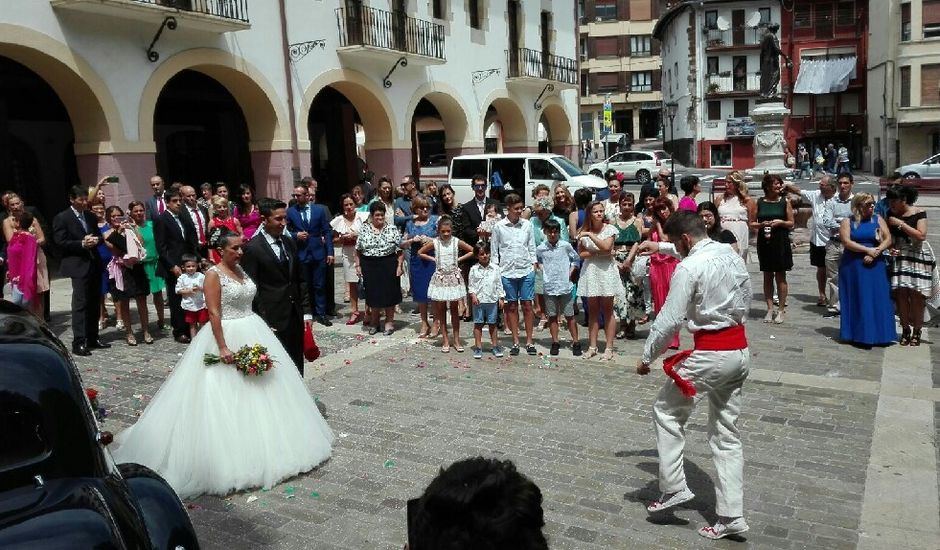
721,530
667,500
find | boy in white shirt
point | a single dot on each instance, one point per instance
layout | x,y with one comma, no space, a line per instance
513,248
558,261
485,287
189,286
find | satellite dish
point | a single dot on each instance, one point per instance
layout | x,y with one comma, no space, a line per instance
722,24
754,20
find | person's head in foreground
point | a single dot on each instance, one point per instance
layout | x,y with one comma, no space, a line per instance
478,504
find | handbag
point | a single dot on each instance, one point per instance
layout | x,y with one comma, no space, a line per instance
311,350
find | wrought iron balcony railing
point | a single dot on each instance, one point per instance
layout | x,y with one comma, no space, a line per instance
726,83
396,31
740,36
226,9
526,63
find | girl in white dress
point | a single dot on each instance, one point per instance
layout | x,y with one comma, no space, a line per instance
600,278
346,227
447,285
211,429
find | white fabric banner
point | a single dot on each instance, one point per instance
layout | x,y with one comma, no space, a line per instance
824,76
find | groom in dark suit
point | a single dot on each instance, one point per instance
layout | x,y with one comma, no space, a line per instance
175,236
272,261
75,231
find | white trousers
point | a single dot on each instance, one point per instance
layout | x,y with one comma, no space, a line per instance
833,258
718,377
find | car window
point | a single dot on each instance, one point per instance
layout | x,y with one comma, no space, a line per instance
569,167
541,169
662,155
21,423
619,157
633,157
467,168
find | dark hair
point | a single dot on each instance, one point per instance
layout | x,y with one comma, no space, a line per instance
132,204
171,194
551,224
25,219
846,175
385,179
610,173
582,197
896,176
767,183
205,185
477,177
445,220
716,228
77,191
512,199
186,258
663,202
684,222
268,205
479,503
907,193
109,210
345,196
241,191
375,207
688,183
219,236
483,245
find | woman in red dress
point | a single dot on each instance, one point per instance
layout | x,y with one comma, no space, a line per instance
221,218
661,265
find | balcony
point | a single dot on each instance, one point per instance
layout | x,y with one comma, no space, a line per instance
369,32
536,69
217,16
726,85
738,38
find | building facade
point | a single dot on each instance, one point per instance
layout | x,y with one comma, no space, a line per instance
903,82
711,71
826,85
261,92
620,64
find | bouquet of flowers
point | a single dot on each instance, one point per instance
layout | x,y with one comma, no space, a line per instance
250,360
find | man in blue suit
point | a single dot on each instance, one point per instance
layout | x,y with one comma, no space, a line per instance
309,225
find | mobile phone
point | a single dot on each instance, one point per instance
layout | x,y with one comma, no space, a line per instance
112,179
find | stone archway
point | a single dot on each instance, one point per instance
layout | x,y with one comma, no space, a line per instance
514,135
559,129
440,102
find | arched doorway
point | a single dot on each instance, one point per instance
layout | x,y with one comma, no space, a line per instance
428,138
557,137
510,127
37,158
200,132
337,141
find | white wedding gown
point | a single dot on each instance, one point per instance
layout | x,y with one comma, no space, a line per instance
212,430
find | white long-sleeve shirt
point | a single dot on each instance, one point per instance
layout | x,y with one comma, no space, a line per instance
710,290
513,248
820,204
485,283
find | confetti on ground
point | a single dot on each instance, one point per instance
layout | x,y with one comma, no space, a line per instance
344,434
251,499
314,494
772,337
290,492
389,463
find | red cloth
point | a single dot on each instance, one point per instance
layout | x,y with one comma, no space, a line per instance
726,339
201,316
311,350
161,205
22,251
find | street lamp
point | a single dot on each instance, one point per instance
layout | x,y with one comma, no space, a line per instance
671,109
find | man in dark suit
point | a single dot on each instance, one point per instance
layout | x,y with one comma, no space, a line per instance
309,225
175,235
199,215
76,233
474,210
272,261
156,204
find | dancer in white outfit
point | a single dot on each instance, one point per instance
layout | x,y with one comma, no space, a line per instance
711,291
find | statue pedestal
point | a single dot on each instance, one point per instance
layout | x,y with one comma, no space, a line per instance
768,140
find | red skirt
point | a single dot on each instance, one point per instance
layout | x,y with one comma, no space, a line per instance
201,316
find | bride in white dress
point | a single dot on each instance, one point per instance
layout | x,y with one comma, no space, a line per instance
212,430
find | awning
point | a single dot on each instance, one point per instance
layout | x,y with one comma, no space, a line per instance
824,76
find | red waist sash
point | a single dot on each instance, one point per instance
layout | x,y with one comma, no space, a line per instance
725,339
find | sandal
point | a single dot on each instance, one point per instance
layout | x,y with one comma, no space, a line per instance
459,349
148,339
608,355
905,336
445,349
915,338
354,318
591,352
131,341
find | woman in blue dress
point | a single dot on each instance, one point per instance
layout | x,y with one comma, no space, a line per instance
420,230
867,316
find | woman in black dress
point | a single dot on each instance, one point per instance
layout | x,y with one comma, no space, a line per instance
126,276
772,217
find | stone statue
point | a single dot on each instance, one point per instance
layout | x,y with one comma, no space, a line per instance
770,62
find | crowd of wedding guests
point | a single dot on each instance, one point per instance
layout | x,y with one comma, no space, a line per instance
508,269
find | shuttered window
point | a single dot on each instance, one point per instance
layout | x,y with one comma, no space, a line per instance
605,47
802,16
905,86
905,22
714,110
930,84
607,82
822,20
845,13
931,18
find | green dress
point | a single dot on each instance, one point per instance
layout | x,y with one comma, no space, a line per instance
157,283
629,305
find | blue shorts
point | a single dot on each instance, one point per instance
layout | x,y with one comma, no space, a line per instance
520,289
485,314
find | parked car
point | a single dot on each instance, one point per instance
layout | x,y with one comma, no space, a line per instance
638,165
59,487
518,172
927,169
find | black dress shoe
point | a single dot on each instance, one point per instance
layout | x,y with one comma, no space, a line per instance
80,350
98,344
324,321
182,339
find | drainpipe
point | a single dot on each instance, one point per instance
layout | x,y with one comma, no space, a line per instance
285,51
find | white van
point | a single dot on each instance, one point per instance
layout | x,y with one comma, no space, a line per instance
519,173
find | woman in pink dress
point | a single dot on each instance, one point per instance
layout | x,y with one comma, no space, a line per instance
246,211
661,265
690,186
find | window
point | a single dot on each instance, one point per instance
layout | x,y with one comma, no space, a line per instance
742,108
606,47
822,20
845,13
607,82
764,16
583,46
905,86
640,45
712,64
930,84
848,104
721,155
467,168
711,19
825,111
714,110
931,18
641,81
437,9
802,16
605,10
541,169
474,14
905,22
800,105
676,72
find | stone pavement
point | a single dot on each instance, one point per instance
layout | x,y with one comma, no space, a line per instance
816,474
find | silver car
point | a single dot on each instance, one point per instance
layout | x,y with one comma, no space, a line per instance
638,165
929,169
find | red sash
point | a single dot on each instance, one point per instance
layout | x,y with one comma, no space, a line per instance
725,339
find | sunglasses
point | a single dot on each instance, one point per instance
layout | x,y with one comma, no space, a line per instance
868,205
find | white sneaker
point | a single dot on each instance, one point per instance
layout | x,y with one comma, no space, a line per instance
667,500
721,530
